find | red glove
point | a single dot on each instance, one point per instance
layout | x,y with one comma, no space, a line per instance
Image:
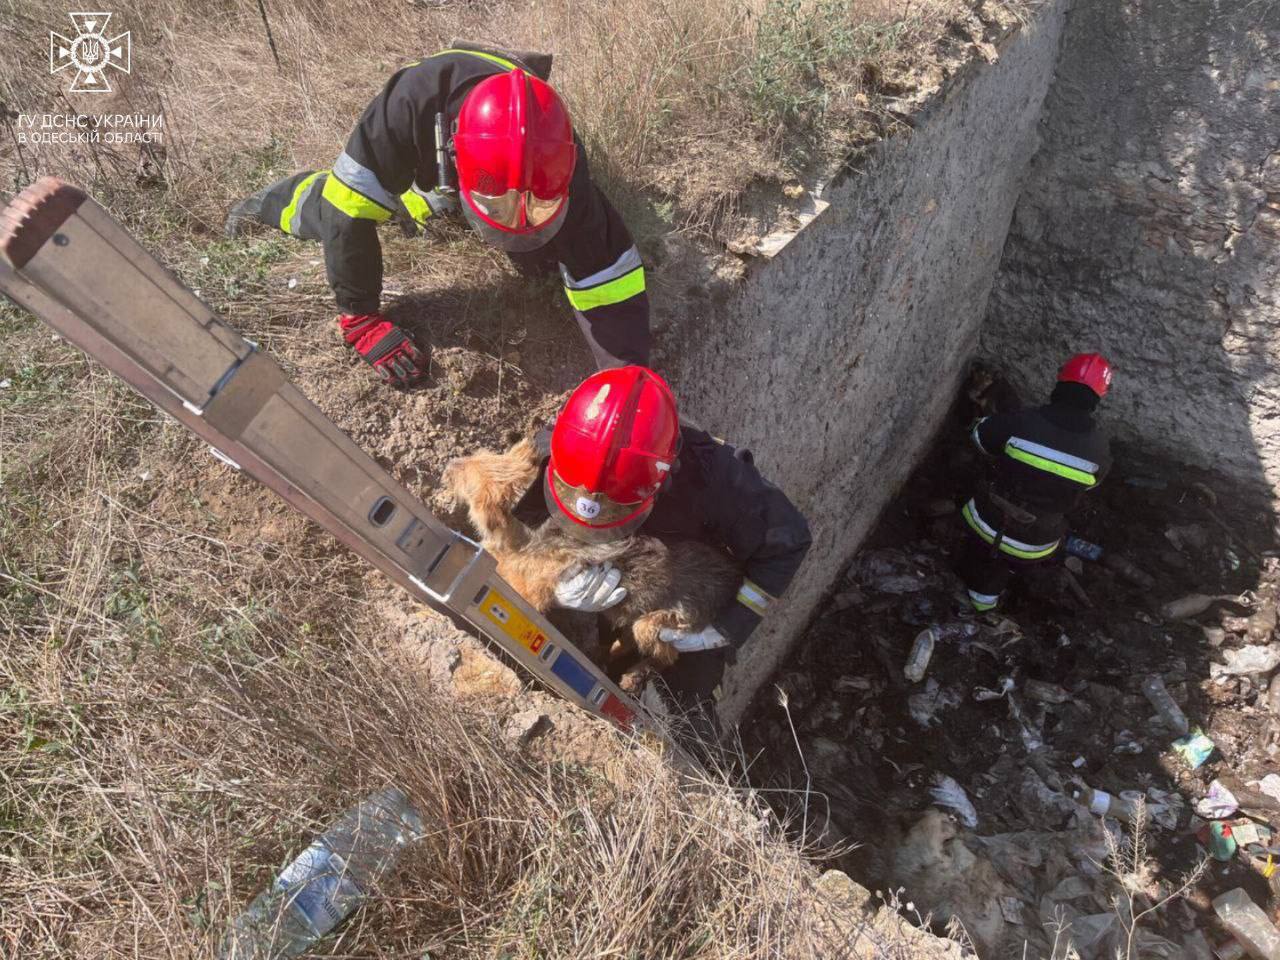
385,346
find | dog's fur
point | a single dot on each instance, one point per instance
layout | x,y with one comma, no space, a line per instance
680,585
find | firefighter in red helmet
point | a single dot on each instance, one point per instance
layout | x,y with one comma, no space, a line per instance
619,461
482,133
1043,460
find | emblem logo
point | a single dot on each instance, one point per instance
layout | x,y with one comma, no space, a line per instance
90,52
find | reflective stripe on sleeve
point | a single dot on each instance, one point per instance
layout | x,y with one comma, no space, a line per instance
291,216
355,190
983,601
621,280
1015,548
1053,461
753,598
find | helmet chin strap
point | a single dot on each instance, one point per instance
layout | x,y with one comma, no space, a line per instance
514,242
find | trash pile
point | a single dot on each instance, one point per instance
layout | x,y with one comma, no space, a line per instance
1105,742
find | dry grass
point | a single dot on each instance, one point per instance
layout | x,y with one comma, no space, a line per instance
193,679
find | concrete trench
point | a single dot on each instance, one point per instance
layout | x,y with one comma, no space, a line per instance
1111,181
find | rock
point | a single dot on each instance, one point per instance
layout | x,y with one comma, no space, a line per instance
480,675
944,878
837,889
525,725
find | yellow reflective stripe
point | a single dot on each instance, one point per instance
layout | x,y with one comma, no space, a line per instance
1015,548
416,204
1049,466
286,218
753,598
505,64
615,291
353,204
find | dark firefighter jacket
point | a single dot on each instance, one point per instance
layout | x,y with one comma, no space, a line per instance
718,496
1044,460
389,168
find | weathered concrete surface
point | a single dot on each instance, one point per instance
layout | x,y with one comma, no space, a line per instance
1150,228
835,361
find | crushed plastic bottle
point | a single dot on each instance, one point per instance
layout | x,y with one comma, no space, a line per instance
1248,924
326,882
921,653
1153,689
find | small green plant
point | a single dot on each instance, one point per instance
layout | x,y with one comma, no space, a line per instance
130,604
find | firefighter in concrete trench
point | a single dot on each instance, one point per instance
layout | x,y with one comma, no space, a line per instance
1043,460
618,461
483,133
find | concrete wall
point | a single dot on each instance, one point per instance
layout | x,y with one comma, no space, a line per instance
1150,228
836,360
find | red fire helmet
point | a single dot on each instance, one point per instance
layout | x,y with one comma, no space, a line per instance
1091,369
515,155
613,444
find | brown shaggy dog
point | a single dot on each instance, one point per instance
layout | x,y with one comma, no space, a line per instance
680,585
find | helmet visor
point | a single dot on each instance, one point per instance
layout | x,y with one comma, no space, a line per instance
512,239
591,517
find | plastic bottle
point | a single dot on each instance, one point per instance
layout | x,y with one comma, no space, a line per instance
921,653
1079,547
1248,924
1105,805
326,882
1153,689
1188,606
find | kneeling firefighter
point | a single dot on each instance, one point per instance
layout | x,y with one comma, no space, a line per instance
1043,460
481,132
618,461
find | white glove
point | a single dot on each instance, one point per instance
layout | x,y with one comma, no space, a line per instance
708,638
590,589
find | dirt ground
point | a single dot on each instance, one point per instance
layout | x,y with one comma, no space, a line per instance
871,743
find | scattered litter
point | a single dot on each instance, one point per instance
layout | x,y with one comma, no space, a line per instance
1247,660
144,475
1270,784
1195,748
984,693
1232,558
1079,762
1079,547
1154,690
1218,803
293,282
1188,606
1127,743
925,704
921,654
1246,832
1216,837
851,684
204,261
1128,570
6,383
899,583
1164,807
1045,692
949,795
1105,805
1248,924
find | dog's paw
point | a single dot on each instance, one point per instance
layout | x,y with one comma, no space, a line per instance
634,680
